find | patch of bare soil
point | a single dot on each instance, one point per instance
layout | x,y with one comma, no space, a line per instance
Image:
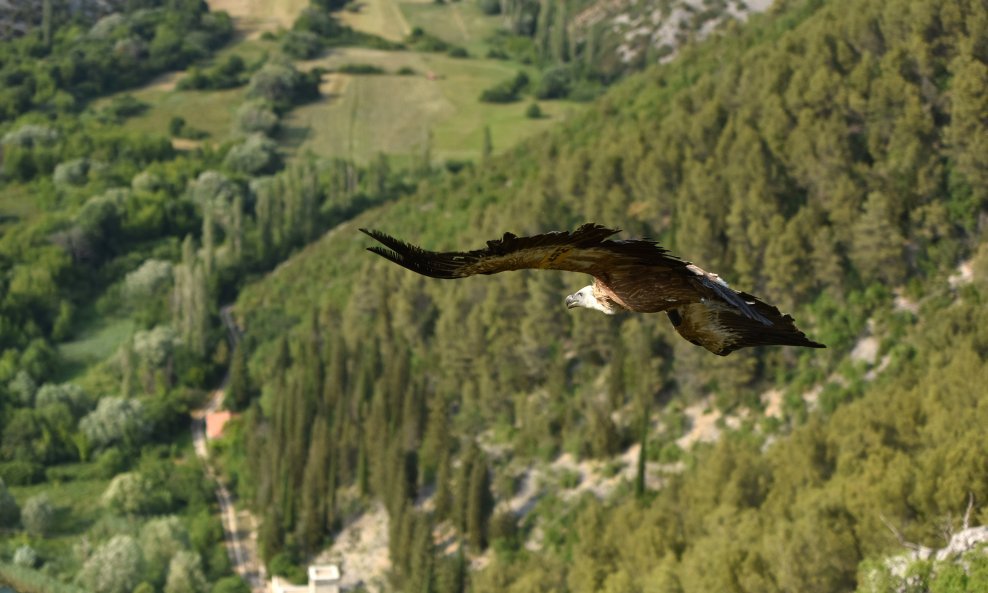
252,18
361,551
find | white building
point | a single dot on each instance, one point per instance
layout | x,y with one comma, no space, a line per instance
323,578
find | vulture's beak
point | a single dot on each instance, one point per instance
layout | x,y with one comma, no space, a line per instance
572,302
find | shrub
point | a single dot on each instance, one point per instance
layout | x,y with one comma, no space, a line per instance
185,574
30,135
176,126
229,73
420,40
490,7
71,173
214,190
116,420
506,91
162,538
281,85
317,22
555,84
255,117
301,45
23,388
504,526
230,584
360,69
110,463
21,473
125,106
116,567
130,493
255,156
533,111
70,395
26,556
458,52
147,181
149,281
275,82
281,564
38,515
10,513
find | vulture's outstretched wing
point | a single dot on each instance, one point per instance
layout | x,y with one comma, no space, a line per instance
722,329
584,250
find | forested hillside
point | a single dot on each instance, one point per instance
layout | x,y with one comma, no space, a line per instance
831,159
605,39
117,248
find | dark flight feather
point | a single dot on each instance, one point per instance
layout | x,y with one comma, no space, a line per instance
723,329
584,250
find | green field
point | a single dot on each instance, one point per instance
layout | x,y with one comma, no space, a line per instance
253,17
379,17
361,116
96,341
358,117
208,111
459,23
16,203
76,500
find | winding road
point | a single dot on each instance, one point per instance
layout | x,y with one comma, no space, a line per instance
239,532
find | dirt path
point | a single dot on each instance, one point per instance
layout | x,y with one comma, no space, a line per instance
379,17
239,528
252,18
458,17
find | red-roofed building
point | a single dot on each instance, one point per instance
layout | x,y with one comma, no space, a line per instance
215,421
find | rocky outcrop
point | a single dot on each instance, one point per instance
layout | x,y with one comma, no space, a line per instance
17,17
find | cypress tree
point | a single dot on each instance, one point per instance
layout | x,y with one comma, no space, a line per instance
479,505
422,557
237,228
558,38
643,450
238,390
463,486
443,500
437,441
208,241
263,220
363,471
487,149
46,22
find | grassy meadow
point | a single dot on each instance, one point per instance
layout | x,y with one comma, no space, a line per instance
360,116
95,342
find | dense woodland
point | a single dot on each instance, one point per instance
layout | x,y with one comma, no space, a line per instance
105,227
830,158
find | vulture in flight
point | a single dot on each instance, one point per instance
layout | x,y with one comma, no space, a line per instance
629,276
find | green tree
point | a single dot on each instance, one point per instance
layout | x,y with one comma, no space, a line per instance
238,389
185,574
480,504
487,147
161,539
38,515
10,513
115,567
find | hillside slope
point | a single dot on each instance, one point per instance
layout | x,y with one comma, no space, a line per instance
824,159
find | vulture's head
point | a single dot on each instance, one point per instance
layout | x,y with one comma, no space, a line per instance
585,298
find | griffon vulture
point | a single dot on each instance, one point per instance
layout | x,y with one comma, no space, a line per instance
629,276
